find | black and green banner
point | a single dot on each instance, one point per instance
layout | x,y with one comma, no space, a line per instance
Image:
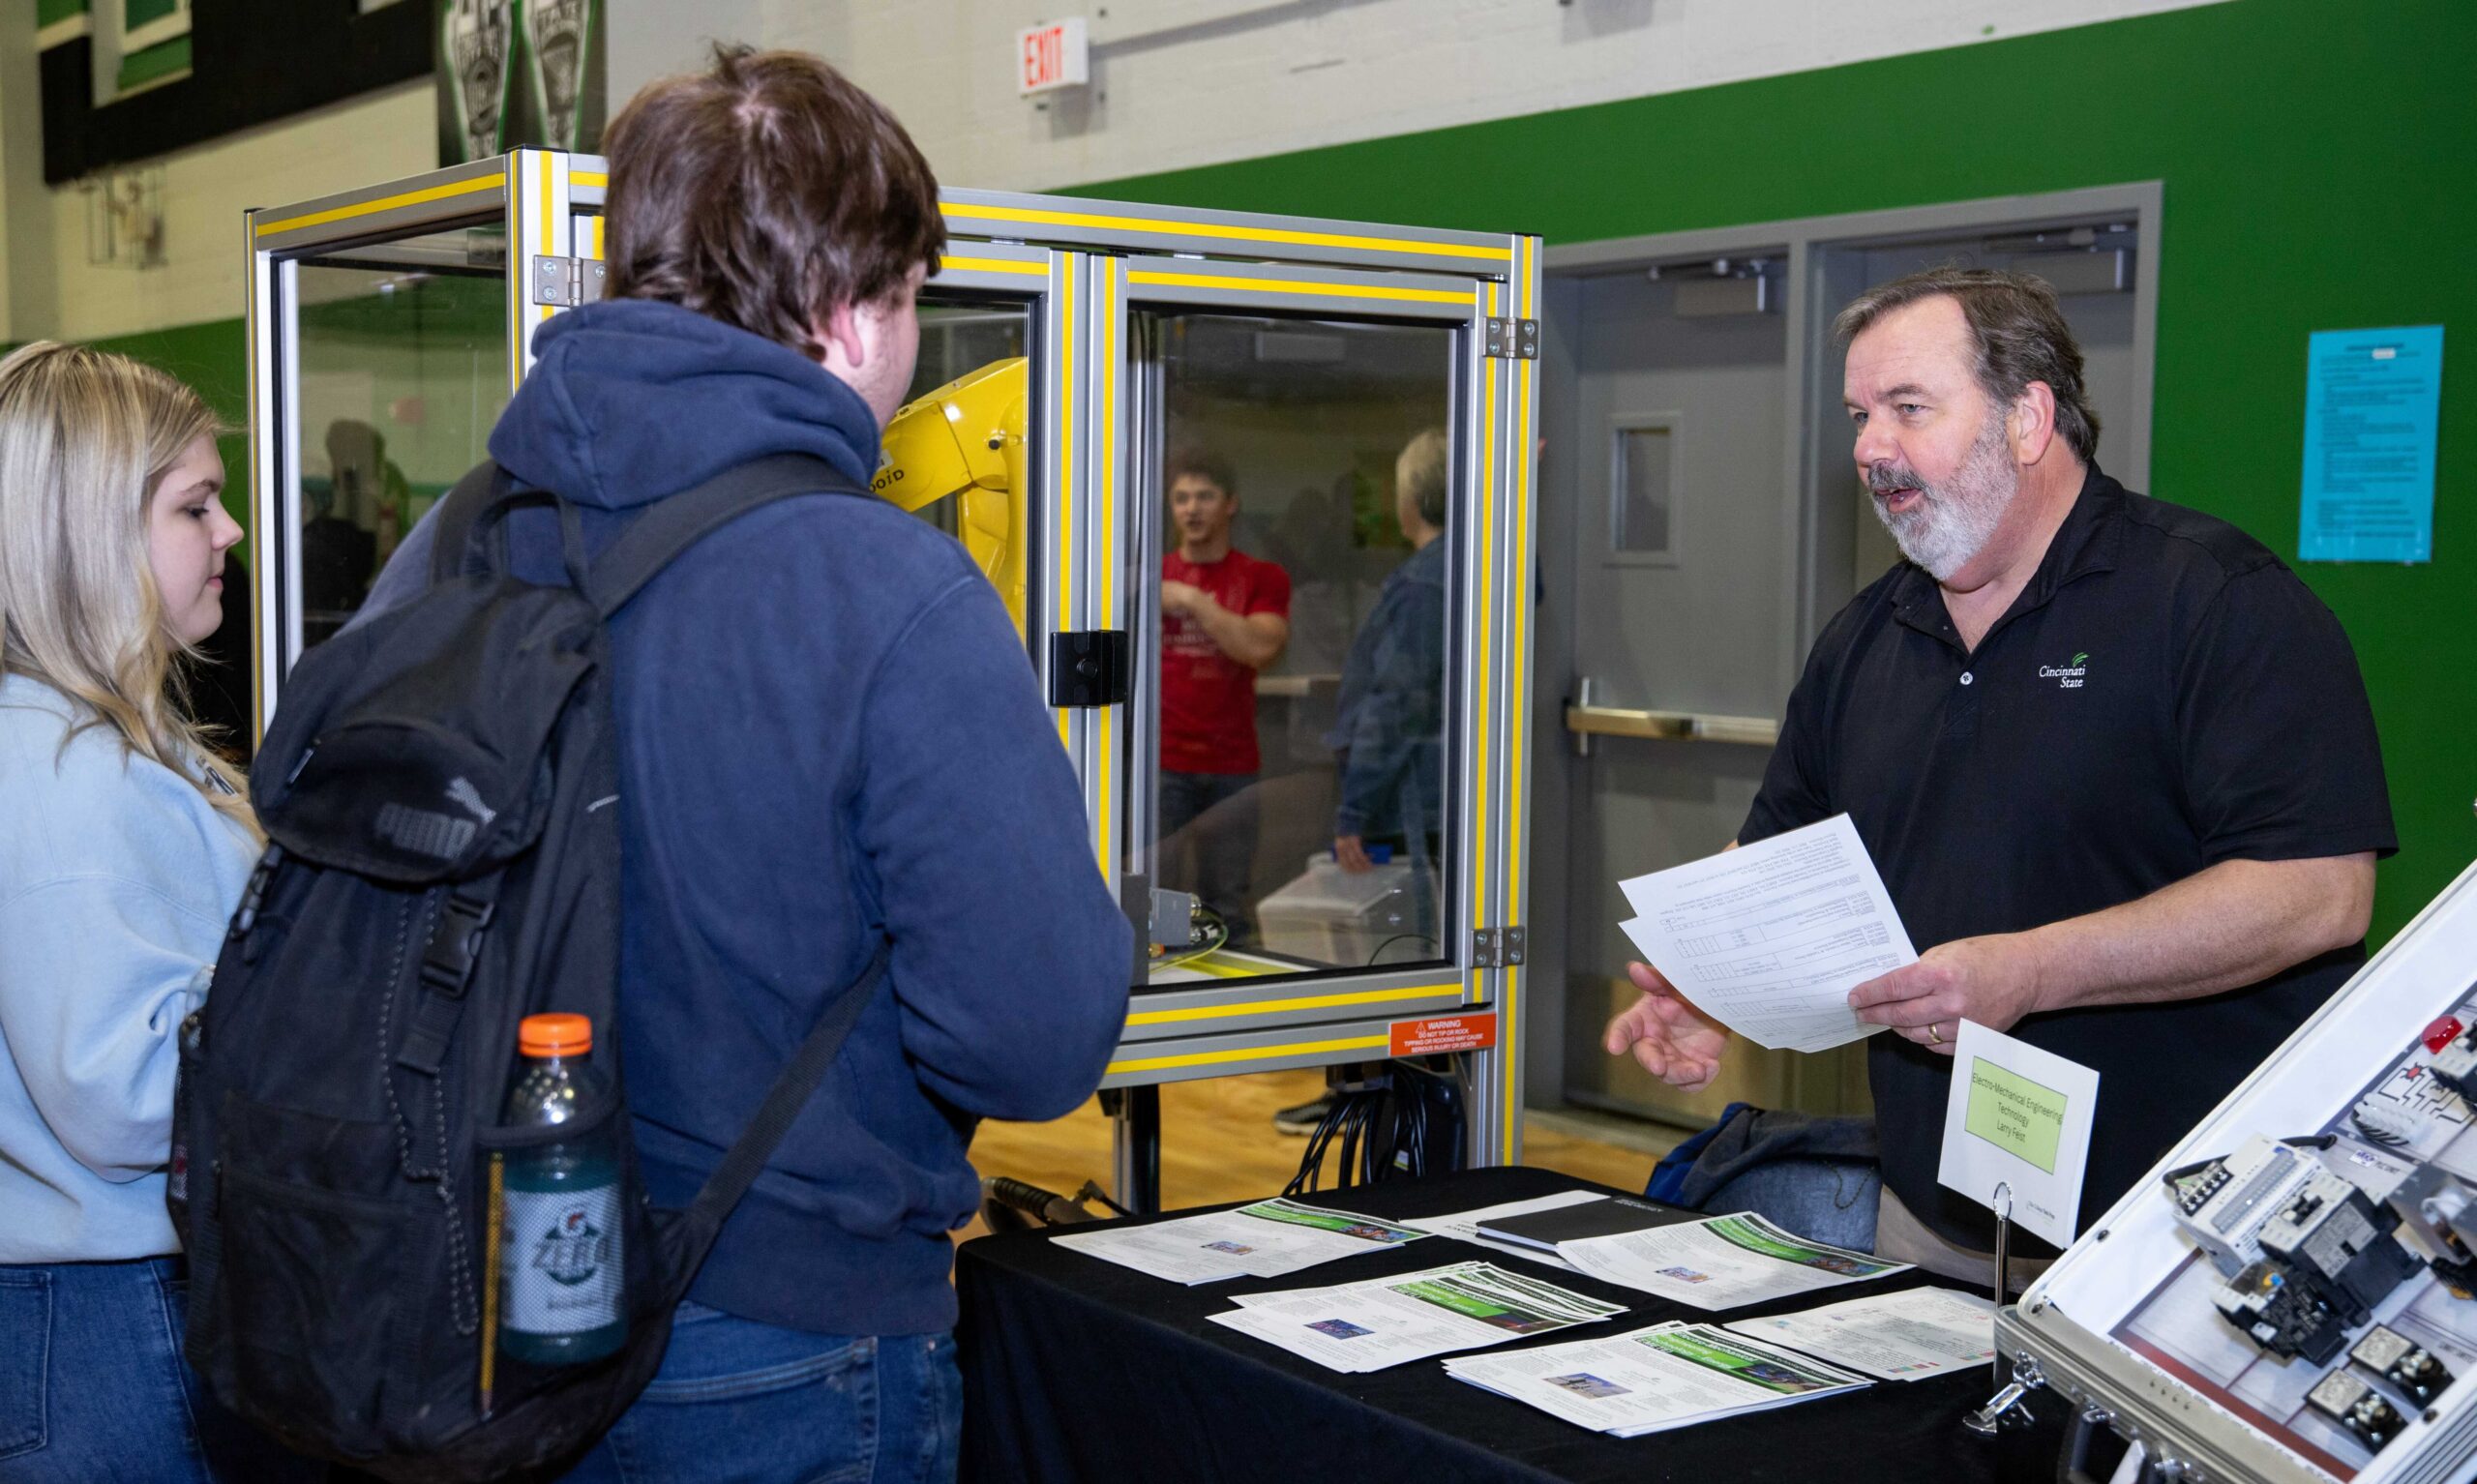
182,74
516,72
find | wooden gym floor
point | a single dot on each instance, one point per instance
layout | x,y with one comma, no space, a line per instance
1218,1144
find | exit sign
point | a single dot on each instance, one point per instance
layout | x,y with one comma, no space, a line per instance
1048,58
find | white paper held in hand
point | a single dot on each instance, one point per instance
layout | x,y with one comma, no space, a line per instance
2019,1116
1770,938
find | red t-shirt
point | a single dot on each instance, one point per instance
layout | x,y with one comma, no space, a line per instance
1208,699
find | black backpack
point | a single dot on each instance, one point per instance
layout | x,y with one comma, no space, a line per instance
445,861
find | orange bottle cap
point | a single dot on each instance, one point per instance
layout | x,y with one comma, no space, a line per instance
555,1035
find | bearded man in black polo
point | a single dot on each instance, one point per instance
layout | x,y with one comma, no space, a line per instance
2113,759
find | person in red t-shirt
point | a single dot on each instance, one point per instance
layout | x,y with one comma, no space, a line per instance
1224,616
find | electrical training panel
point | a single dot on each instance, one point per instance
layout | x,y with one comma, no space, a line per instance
2293,1295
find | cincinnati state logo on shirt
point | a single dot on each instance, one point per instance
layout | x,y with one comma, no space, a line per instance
2069,675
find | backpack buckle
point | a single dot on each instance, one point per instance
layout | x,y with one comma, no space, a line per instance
454,944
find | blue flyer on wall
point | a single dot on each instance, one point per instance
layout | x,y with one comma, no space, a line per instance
2372,402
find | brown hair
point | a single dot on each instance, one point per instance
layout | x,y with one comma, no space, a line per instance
1199,463
765,192
2020,330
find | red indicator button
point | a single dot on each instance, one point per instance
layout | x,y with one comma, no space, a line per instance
2443,1032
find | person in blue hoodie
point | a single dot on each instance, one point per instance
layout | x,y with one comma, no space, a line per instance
828,735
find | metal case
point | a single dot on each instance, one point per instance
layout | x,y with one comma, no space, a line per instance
2082,1331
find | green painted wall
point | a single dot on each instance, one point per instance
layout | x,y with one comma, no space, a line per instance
2317,163
2318,169
213,358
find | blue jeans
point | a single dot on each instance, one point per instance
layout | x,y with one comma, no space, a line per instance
1822,1199
737,1402
93,1386
1209,843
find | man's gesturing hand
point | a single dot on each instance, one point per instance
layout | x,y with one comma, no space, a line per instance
1994,981
1669,1037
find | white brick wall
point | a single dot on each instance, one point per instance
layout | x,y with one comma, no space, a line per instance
205,189
1175,83
1187,82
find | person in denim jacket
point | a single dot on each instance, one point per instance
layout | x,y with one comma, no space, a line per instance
1388,724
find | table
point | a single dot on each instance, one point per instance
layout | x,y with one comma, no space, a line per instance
1082,1372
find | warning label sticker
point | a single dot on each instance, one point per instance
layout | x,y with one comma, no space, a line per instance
1445,1033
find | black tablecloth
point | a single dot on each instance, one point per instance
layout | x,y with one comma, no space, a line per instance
1081,1372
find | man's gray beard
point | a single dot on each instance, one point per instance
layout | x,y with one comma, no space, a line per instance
1955,521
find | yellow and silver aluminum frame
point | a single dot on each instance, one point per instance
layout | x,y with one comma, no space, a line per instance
1336,272
1093,274
1127,229
545,202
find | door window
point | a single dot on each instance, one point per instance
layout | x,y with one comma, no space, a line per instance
1643,517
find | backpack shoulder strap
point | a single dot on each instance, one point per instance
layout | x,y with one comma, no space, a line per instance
481,495
679,521
793,1086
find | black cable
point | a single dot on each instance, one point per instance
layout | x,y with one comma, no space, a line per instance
1093,1191
1359,1159
1381,1124
1420,1136
1391,942
1312,1163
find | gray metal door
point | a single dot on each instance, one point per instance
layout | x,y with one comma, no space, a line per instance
1679,580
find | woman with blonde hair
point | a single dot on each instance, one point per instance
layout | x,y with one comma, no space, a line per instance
124,844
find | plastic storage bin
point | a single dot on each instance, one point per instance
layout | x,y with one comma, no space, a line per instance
1328,916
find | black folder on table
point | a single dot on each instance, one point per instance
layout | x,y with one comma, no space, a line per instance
1544,1230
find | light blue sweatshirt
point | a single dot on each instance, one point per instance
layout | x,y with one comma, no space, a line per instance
117,880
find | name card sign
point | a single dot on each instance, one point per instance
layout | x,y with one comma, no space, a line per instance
1052,56
2018,1116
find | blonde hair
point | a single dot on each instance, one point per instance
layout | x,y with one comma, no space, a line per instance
85,437
1422,469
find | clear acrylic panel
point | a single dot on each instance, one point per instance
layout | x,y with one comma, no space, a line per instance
958,453
1301,785
403,368
960,335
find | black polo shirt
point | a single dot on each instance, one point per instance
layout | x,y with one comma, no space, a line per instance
2165,695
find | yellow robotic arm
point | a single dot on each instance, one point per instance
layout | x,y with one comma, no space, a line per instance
968,438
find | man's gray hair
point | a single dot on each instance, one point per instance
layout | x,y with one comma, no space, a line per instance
2020,333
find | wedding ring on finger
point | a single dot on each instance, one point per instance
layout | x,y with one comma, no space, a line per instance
1933,1034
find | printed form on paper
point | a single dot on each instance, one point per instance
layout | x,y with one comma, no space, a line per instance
1770,938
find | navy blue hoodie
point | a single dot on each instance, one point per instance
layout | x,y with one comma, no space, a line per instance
827,730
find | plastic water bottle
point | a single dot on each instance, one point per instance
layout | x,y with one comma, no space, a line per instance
563,1267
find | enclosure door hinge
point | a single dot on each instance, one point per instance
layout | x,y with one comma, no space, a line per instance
1513,339
564,282
1498,947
